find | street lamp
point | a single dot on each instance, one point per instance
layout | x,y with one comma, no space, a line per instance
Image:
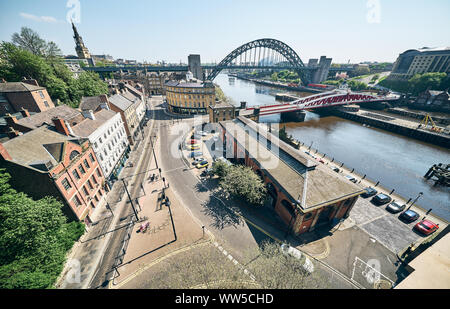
417,198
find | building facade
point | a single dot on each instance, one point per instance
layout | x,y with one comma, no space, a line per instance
127,110
23,95
221,111
420,61
56,164
190,96
303,193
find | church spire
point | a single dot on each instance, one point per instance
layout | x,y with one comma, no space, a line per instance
80,48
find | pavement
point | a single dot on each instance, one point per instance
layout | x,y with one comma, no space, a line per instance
89,252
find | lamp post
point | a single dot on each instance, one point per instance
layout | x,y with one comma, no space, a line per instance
417,198
131,201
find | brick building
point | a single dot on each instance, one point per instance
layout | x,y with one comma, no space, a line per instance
47,161
23,95
302,192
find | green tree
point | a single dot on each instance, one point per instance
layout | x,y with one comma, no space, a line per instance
30,40
243,182
34,238
220,168
274,77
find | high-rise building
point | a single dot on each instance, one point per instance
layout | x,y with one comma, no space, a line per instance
195,66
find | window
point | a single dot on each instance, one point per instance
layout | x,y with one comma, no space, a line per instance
41,94
90,185
46,104
73,155
91,157
80,167
98,173
85,191
66,184
94,179
76,175
76,201
95,145
308,216
86,164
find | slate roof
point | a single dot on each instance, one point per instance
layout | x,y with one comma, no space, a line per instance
88,126
39,149
18,87
120,101
92,103
38,119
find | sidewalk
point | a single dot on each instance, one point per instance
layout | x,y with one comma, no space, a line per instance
145,249
87,253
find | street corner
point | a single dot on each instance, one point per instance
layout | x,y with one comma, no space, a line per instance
346,224
318,249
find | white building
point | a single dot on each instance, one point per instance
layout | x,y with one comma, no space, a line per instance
106,131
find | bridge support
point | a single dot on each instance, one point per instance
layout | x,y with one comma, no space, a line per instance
298,116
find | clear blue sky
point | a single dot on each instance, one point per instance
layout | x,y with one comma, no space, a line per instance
170,30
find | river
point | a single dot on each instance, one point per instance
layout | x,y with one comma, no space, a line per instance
396,161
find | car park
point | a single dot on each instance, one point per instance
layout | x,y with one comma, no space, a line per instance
395,207
409,216
369,192
381,199
426,227
351,178
202,164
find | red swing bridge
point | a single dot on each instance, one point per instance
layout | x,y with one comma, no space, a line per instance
333,98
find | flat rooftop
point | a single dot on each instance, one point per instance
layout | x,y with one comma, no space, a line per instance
310,184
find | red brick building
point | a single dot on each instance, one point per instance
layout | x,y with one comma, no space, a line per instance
23,95
302,192
48,161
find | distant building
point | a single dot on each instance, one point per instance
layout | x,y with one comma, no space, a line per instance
23,95
221,111
80,48
438,101
190,96
419,61
48,161
322,69
195,66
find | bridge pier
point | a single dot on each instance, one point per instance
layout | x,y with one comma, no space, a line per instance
297,116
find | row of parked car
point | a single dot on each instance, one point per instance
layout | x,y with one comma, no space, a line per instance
425,227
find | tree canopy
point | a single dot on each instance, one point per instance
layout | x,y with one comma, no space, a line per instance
34,237
419,83
30,56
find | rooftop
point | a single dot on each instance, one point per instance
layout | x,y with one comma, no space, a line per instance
92,103
63,111
88,126
311,185
190,84
18,87
44,148
120,101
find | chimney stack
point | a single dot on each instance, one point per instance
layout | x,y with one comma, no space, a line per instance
60,126
24,113
88,114
30,81
4,154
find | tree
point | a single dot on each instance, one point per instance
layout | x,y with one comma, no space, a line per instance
220,168
274,270
30,40
243,182
34,237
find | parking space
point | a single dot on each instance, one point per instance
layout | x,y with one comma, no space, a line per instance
203,151
384,226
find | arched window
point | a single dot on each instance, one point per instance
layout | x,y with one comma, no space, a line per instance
74,154
288,206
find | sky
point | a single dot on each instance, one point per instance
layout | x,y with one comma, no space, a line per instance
170,30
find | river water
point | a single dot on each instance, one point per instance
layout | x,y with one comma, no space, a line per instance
396,161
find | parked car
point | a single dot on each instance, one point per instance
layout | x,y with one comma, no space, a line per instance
381,199
201,133
409,216
194,147
207,172
426,227
193,142
198,160
195,154
395,207
369,192
202,164
288,250
351,178
337,170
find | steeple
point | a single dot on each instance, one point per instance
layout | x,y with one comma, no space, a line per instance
80,48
